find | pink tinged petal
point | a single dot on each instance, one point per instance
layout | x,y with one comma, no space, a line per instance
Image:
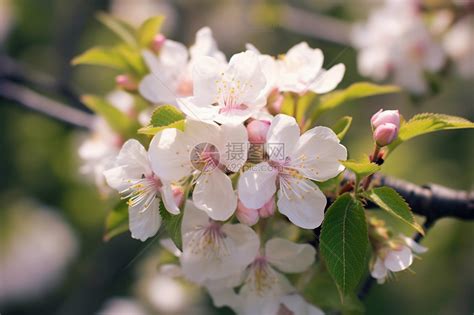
246,215
385,116
318,153
303,204
257,185
169,199
327,81
268,209
415,247
169,155
283,134
258,130
233,146
214,194
379,271
289,257
144,224
398,260
153,87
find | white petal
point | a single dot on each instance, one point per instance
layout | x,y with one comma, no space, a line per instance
318,153
169,153
282,135
303,205
144,224
202,132
234,117
154,88
206,71
206,45
169,245
257,185
192,218
168,199
398,260
197,110
327,81
173,55
296,304
379,271
415,247
224,297
214,194
233,146
246,241
288,256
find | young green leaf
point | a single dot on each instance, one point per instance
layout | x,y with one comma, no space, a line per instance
389,200
353,92
361,168
103,56
172,225
149,29
426,123
342,126
116,119
117,221
151,131
121,28
166,115
133,59
344,242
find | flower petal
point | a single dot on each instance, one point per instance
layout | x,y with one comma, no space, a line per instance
168,198
327,81
233,146
206,71
214,194
415,247
196,110
289,257
398,260
282,137
318,153
379,271
153,87
298,306
257,185
192,218
169,155
144,224
303,204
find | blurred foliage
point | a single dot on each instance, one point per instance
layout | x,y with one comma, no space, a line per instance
39,156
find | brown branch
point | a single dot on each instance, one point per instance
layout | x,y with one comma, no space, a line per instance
52,108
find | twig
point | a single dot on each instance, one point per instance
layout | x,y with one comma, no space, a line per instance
315,25
35,101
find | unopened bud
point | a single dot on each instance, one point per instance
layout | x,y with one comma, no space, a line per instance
275,102
257,131
386,116
246,215
158,42
125,82
268,209
385,134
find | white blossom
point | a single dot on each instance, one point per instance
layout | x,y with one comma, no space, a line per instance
202,151
294,162
459,46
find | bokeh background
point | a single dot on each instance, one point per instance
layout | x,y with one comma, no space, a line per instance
52,256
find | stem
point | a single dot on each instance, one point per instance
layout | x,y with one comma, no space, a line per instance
375,159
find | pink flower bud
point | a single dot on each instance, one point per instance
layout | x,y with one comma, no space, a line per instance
268,209
246,215
158,42
386,116
275,102
257,130
125,82
385,134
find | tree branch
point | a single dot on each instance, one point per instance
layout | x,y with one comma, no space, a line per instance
35,101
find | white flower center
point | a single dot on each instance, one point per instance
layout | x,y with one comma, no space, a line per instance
142,191
209,242
262,277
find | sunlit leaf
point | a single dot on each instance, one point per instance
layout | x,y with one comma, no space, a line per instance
166,115
121,28
149,29
361,168
341,127
344,242
428,122
117,221
103,56
389,200
151,131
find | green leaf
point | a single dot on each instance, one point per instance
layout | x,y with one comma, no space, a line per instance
133,59
389,200
103,56
342,126
166,115
172,225
361,168
151,131
344,242
296,105
428,122
323,292
149,29
121,28
116,119
117,221
353,92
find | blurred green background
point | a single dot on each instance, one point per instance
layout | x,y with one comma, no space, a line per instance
39,163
